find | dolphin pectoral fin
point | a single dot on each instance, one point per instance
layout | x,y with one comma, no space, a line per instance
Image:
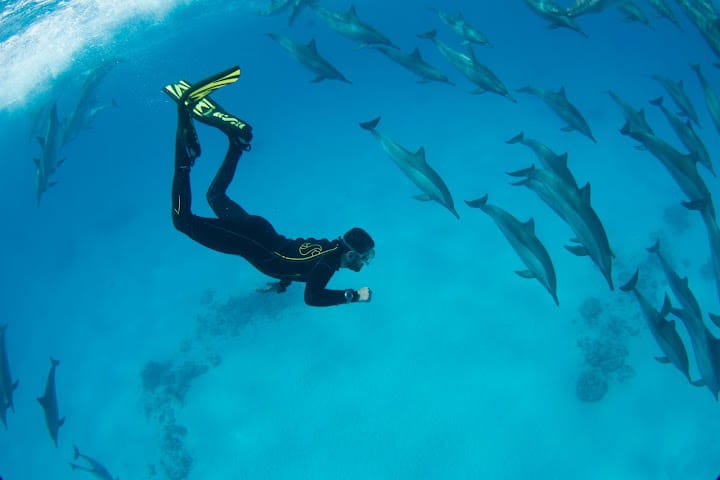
567,128
41,141
630,285
578,250
698,383
423,81
317,79
52,184
36,161
478,203
662,359
715,319
423,197
640,147
42,401
525,273
478,91
61,422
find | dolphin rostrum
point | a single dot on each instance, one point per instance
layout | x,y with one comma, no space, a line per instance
521,236
49,404
562,107
573,206
415,63
468,65
663,331
96,469
308,57
416,168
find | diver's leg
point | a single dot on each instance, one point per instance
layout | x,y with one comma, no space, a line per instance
187,149
217,198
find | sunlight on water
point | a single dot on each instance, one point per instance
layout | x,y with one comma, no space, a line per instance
49,46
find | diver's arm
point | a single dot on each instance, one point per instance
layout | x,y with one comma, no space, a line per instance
317,295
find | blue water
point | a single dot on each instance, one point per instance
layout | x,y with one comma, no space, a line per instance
171,366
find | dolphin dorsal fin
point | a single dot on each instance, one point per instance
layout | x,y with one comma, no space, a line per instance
471,54
420,154
563,158
561,92
585,193
416,53
311,45
530,225
351,13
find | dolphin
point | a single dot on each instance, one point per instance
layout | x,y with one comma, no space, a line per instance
711,98
549,159
583,7
664,11
7,386
349,25
557,16
633,13
562,107
573,206
713,232
469,66
279,6
308,57
663,331
707,351
676,90
49,404
687,136
416,168
87,107
636,118
48,162
96,469
415,63
683,168
706,19
521,236
463,29
678,285
4,407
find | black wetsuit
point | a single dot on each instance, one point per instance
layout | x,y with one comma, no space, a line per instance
313,261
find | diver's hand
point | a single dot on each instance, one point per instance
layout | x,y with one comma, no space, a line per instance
277,287
364,294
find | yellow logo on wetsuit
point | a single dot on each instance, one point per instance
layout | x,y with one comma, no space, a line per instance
308,249
204,108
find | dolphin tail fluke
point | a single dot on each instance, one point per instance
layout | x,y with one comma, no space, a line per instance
430,35
658,101
519,138
700,204
632,283
696,67
478,203
655,248
371,125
